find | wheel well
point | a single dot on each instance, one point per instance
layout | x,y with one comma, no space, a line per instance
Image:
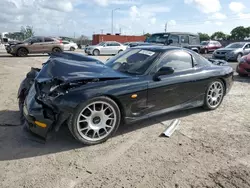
225,84
23,48
119,104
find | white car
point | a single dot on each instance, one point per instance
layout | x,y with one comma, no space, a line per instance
108,47
71,46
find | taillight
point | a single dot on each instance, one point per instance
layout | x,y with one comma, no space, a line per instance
60,41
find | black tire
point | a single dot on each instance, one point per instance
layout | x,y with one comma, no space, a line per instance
206,105
56,50
242,75
239,56
96,52
72,49
22,52
72,123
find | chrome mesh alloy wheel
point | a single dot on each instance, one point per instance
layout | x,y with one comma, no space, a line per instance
96,121
215,94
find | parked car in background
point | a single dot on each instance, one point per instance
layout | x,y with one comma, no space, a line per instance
233,51
93,98
69,45
180,39
209,46
36,44
243,68
134,44
108,47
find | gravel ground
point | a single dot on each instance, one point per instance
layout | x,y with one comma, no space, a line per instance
210,148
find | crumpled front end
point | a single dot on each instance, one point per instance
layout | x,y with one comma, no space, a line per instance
42,116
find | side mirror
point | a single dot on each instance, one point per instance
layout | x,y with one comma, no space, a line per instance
163,71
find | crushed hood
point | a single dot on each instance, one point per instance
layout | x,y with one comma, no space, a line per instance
68,70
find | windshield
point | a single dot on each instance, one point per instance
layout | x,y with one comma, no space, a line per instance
204,43
158,38
101,44
132,61
235,45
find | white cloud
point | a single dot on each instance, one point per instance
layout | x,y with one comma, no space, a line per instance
62,5
219,23
172,23
206,6
218,16
207,22
236,7
244,16
153,20
116,2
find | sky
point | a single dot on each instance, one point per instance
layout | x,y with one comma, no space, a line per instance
131,17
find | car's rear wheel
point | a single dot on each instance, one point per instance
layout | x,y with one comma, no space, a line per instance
72,49
96,52
239,56
214,95
22,52
95,121
57,50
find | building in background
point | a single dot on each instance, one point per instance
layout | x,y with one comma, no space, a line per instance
97,38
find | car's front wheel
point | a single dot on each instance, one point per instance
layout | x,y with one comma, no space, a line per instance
95,120
96,52
214,95
239,56
72,49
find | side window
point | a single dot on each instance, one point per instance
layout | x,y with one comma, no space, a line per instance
46,39
175,38
178,60
108,44
64,42
247,46
116,44
37,40
184,39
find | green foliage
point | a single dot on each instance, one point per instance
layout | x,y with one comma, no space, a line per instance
219,35
27,31
147,35
240,33
204,36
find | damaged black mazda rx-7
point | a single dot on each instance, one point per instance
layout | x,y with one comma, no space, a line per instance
94,98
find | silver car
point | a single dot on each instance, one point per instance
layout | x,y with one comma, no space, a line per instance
108,47
233,51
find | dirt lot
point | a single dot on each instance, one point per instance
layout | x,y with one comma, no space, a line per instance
210,149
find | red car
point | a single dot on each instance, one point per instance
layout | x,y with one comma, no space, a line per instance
209,46
243,68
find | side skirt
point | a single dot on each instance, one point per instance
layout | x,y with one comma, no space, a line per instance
184,106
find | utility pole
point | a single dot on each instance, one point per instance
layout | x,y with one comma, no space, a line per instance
166,27
112,19
101,31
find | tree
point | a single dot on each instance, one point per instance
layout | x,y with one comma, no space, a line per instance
204,36
27,31
219,36
240,33
147,35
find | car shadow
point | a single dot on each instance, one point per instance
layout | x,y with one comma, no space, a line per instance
17,144
237,78
30,55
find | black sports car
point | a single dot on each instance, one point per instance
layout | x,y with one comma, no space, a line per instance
93,98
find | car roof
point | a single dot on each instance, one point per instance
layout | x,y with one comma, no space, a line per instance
177,33
240,43
158,48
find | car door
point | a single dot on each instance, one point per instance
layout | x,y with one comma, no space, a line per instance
175,40
115,47
36,45
184,40
174,89
48,44
246,49
107,48
66,45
